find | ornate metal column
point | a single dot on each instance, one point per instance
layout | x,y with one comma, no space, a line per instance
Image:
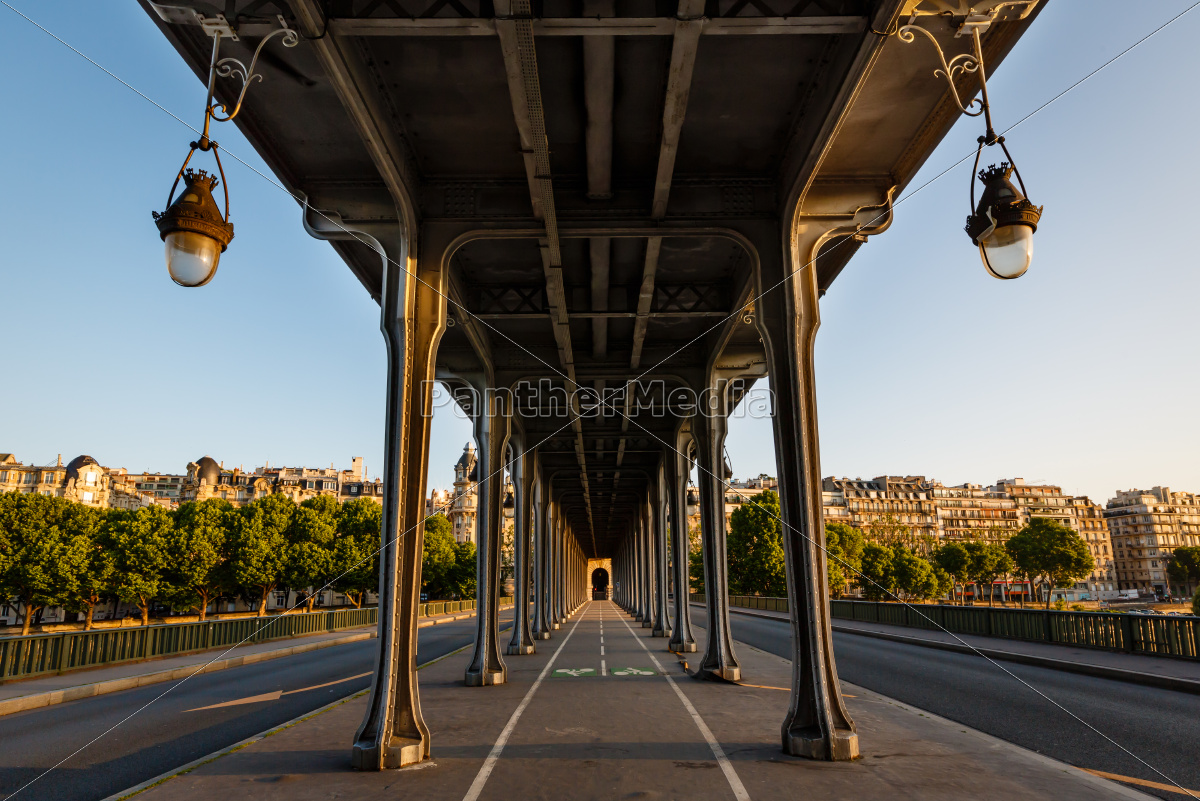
817,724
541,580
523,470
647,539
708,429
662,619
412,318
676,468
556,620
492,419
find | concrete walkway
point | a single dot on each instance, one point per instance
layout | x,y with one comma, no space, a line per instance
23,694
603,711
1110,664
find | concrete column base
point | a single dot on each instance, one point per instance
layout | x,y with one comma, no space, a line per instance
647,623
519,650
660,633
681,647
843,744
485,679
555,626
541,635
401,752
731,674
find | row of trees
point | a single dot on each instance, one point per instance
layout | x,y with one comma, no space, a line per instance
59,553
896,566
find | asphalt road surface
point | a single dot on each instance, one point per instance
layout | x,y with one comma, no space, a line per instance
1160,727
177,728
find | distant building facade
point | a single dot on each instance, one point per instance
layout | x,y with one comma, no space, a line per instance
1146,526
82,479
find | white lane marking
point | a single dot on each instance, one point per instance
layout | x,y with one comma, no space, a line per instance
601,650
735,783
603,668
488,764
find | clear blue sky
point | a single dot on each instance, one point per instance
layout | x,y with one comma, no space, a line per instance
1081,373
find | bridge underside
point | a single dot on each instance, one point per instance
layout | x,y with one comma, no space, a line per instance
598,222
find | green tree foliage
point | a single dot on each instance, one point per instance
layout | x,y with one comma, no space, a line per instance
1049,549
695,560
953,559
91,556
754,547
877,578
1184,567
356,551
463,579
198,550
141,541
45,550
986,562
1196,603
438,558
912,575
259,546
844,550
310,553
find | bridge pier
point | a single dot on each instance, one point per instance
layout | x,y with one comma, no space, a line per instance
492,418
658,529
412,316
709,428
524,467
675,469
541,580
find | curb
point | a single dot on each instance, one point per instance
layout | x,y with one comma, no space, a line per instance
1117,674
1066,666
23,703
262,735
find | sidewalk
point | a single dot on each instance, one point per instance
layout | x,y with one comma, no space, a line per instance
18,696
603,711
1182,675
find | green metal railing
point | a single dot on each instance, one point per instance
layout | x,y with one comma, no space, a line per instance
1158,635
59,652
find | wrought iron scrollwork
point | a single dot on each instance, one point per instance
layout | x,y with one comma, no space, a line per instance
229,67
964,62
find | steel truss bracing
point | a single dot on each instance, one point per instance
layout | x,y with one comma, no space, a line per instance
598,231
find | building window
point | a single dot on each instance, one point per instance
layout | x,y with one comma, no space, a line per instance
87,497
90,479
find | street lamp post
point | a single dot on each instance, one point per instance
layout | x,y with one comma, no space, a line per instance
192,228
1003,223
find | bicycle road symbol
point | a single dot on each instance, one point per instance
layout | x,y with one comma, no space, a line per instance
574,672
632,671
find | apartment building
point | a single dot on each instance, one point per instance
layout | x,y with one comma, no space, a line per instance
886,508
972,512
1146,526
1093,527
82,479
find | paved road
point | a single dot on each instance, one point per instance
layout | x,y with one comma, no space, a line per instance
1160,726
175,730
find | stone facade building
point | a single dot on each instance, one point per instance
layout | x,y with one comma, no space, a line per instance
1093,527
971,512
463,502
885,507
82,479
1146,527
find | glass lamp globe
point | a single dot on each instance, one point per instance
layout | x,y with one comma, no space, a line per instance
192,258
1007,251
1003,224
193,231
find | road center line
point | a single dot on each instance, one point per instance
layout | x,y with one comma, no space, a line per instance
735,783
488,764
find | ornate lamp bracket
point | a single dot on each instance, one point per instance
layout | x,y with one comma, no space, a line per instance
219,28
963,62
